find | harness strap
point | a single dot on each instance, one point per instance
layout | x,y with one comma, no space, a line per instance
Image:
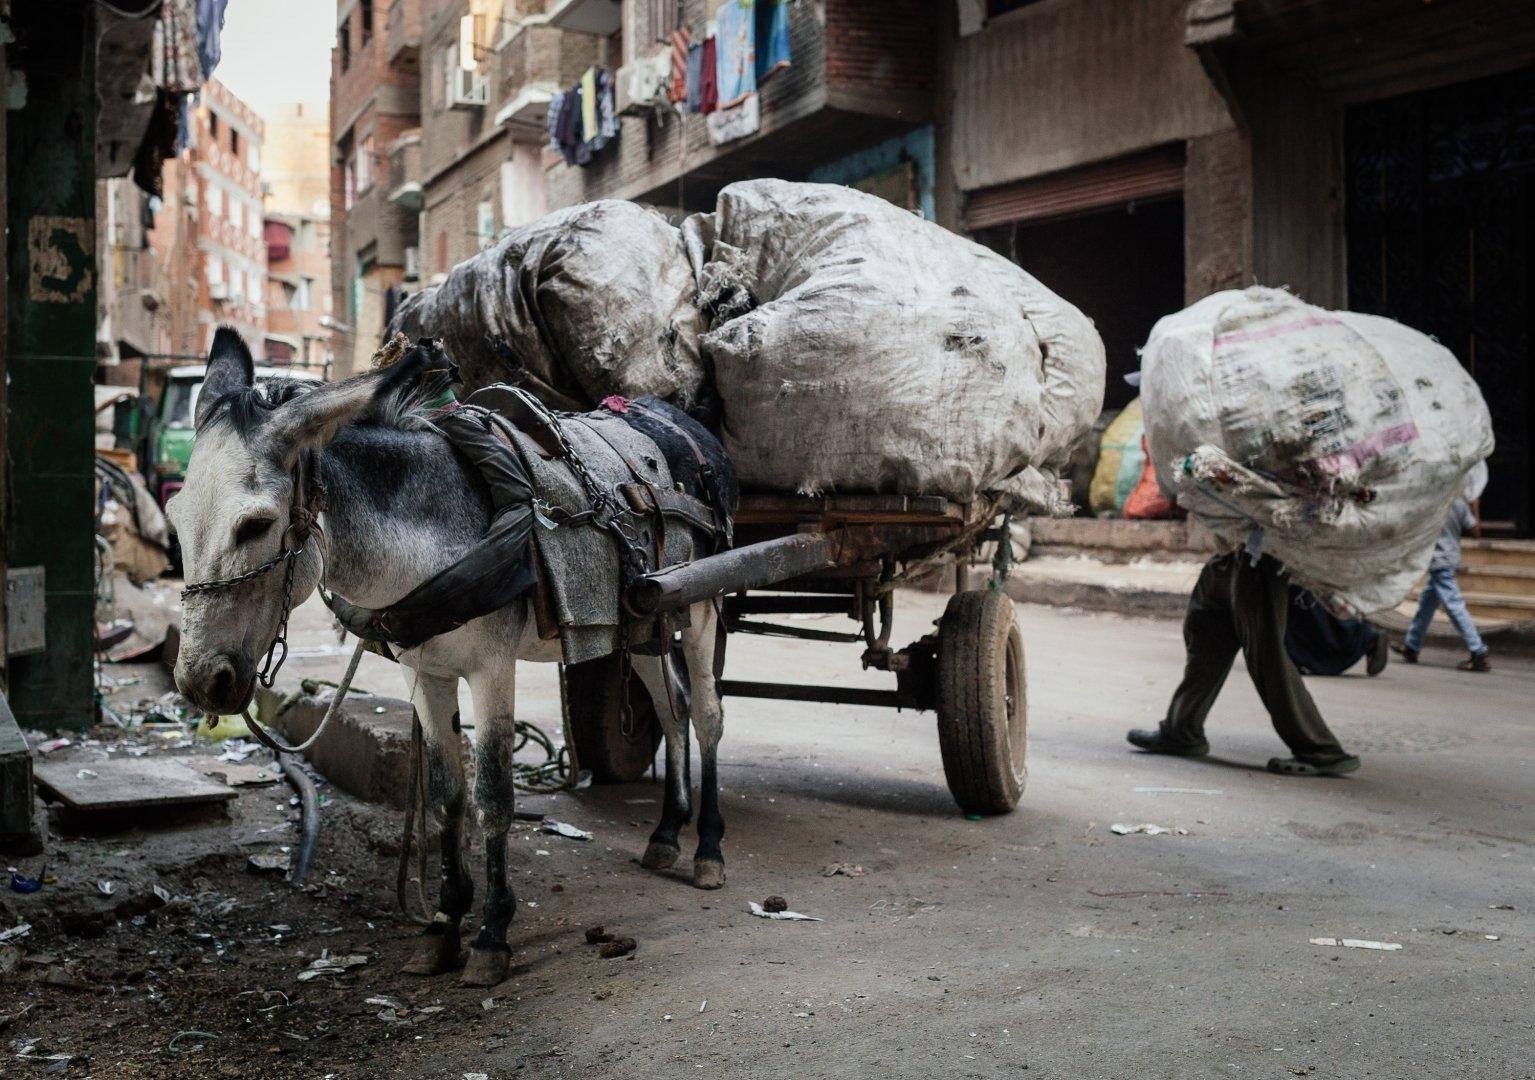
266,739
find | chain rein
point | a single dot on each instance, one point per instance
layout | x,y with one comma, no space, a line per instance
303,522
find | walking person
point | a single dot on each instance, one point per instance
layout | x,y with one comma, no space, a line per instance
1242,605
1442,588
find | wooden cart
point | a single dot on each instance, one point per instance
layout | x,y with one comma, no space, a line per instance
844,555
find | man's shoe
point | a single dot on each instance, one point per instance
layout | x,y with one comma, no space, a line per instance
1155,741
1477,662
1409,656
1380,652
1335,765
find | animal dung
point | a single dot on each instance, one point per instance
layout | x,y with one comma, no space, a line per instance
617,947
775,904
596,935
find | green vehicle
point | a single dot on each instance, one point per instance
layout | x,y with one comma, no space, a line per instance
173,422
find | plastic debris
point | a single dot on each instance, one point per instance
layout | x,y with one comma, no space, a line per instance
53,744
843,869
476,1076
86,774
331,965
268,863
560,828
106,888
789,916
1357,943
23,884
1119,828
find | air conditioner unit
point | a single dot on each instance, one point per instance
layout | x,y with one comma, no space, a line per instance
218,290
468,89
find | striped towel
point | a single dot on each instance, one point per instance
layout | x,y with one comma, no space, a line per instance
677,91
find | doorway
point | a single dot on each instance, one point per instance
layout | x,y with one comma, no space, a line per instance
1439,213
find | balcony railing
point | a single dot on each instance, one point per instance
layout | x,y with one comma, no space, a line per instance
534,62
404,183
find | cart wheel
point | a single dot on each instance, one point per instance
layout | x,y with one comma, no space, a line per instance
983,717
591,692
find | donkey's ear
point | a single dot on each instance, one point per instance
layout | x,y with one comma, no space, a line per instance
311,420
230,368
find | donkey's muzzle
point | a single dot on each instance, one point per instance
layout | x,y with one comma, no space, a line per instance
220,684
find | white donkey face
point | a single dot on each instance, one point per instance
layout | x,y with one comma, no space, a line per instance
235,511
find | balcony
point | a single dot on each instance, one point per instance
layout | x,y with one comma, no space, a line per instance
379,230
402,35
601,18
860,74
534,62
404,184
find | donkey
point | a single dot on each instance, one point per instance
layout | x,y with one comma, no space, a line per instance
400,505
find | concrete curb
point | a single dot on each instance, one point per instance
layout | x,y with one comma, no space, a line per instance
366,749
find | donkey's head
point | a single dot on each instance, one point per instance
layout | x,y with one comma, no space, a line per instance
245,515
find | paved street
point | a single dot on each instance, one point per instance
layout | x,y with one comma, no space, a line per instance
1041,944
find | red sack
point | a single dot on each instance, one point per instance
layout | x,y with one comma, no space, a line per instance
1146,500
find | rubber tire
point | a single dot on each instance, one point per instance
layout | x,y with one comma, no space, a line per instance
983,717
591,693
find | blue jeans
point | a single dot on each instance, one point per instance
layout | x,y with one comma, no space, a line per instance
1442,588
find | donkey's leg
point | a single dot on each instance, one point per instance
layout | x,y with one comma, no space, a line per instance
699,643
678,807
436,700
494,801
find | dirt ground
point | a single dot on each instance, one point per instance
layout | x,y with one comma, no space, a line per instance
1039,944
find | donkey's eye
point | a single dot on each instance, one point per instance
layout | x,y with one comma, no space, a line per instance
252,528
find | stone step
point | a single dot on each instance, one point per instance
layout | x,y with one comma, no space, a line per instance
1480,553
1501,580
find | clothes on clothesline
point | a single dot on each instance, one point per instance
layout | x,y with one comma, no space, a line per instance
772,37
708,77
736,51
210,30
583,119
682,41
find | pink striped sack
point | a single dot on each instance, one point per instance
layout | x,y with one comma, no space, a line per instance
1331,440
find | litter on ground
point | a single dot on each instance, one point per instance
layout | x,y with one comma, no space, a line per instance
560,828
1357,943
788,916
1119,828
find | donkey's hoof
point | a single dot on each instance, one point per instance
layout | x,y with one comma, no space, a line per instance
659,856
437,953
708,873
486,967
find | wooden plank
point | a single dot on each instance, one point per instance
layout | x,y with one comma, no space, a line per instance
122,785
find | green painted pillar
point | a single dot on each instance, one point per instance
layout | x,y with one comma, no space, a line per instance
50,336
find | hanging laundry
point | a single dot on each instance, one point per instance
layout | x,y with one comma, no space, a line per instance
695,75
736,55
772,37
552,119
708,77
737,122
607,117
682,39
180,70
589,105
210,29
567,132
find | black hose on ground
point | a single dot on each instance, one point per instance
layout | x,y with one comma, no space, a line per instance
309,815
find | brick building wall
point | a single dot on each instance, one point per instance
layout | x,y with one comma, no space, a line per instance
230,249
375,97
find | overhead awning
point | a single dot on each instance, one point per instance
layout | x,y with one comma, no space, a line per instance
1155,174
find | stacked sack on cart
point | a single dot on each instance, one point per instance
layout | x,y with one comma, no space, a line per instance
841,343
1332,440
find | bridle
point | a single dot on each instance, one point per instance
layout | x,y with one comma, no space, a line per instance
304,509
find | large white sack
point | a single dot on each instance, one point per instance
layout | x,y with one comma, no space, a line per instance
1332,440
859,348
588,301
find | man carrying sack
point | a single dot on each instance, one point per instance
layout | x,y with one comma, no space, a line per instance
1238,605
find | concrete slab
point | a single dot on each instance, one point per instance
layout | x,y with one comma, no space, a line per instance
122,785
366,749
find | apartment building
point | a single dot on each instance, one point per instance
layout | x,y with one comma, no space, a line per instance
297,236
223,167
374,102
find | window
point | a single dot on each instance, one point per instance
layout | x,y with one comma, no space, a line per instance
485,223
253,222
213,126
365,165
234,143
215,270
661,19
366,10
215,201
301,294
236,214
252,156
344,47
236,283
349,168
